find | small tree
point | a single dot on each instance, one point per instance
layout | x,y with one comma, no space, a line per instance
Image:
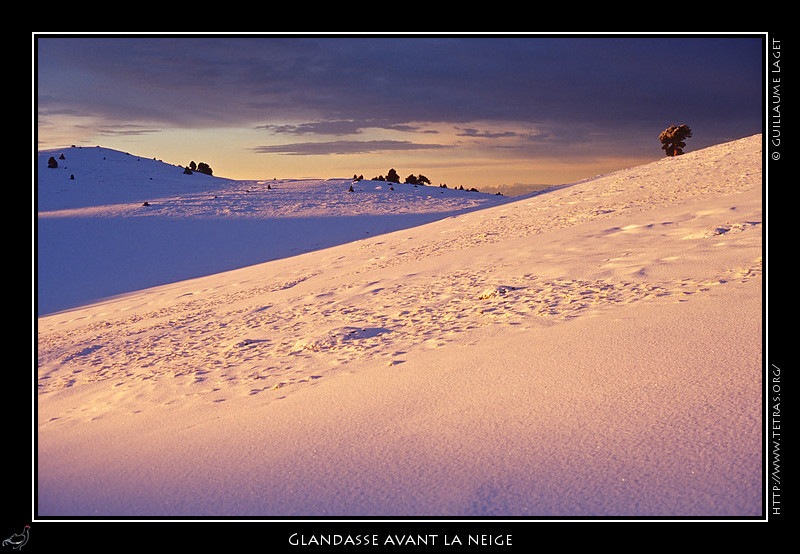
672,139
52,163
392,176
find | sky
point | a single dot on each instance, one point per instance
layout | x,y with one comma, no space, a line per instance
475,110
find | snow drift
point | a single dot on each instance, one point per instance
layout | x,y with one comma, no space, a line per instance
594,350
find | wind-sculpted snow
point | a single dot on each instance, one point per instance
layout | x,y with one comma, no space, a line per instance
293,340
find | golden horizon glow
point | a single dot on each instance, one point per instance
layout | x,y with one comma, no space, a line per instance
465,160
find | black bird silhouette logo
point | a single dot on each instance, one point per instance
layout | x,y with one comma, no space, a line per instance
18,540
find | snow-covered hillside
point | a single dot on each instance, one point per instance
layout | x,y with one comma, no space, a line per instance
594,350
97,238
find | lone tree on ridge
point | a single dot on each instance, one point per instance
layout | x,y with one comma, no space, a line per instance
672,139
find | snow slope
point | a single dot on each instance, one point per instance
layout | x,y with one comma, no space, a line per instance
594,350
96,238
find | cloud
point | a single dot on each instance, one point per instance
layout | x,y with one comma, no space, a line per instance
474,133
337,127
340,86
343,147
128,130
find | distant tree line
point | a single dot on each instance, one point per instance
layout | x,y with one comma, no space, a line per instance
393,177
202,167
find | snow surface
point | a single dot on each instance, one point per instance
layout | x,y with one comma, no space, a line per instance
94,228
298,350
